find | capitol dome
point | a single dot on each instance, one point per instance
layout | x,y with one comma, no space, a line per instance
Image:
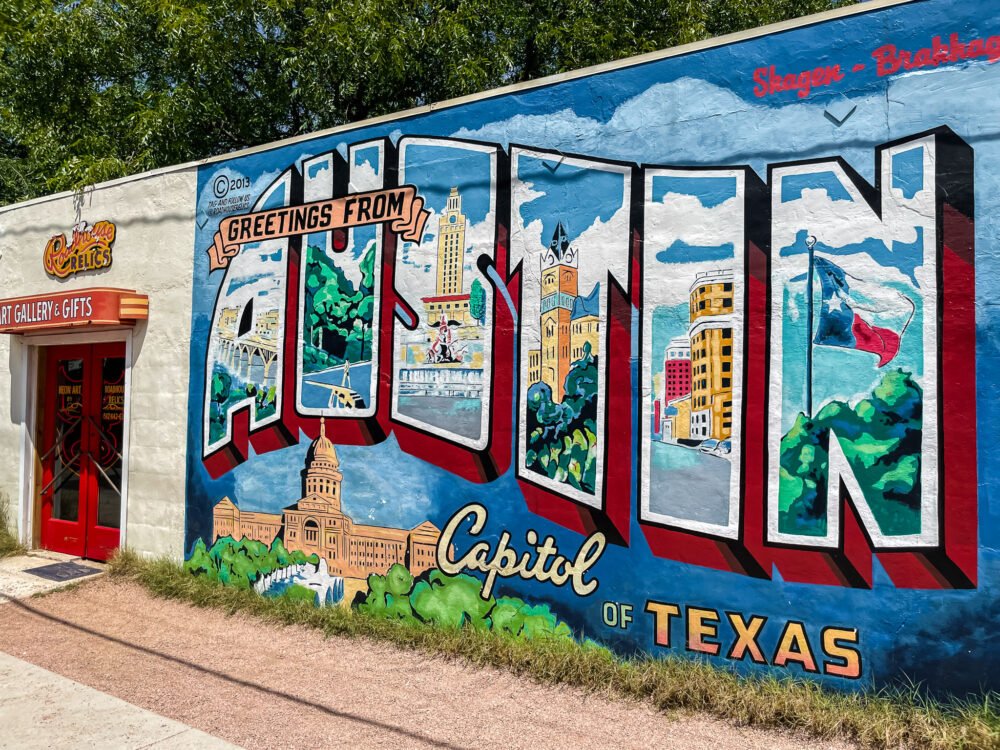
322,448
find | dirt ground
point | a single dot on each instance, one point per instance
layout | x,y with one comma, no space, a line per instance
267,687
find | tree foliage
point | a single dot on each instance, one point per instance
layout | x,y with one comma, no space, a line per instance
340,313
91,90
477,302
562,437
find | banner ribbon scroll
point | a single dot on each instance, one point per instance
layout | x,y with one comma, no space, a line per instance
401,208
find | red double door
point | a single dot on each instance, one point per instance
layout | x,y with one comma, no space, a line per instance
82,431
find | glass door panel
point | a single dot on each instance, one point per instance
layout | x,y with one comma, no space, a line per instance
67,446
109,448
64,465
82,464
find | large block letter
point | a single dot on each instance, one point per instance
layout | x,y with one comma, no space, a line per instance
246,381
340,348
572,241
872,395
451,367
699,488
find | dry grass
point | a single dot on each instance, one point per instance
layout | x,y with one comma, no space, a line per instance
887,719
9,545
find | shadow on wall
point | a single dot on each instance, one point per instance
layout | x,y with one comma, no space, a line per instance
969,644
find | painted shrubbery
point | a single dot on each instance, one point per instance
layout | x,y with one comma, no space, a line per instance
562,438
454,602
241,563
880,436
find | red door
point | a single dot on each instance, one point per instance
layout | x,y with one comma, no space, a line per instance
82,458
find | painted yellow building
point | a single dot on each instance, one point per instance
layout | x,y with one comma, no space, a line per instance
266,324
453,306
677,419
584,330
534,366
449,299
316,524
711,337
451,247
227,320
560,280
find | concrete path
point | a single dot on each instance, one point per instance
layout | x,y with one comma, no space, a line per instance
263,686
15,583
40,709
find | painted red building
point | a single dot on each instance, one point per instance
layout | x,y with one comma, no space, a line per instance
677,369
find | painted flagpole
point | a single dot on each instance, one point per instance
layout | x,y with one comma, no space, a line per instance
810,244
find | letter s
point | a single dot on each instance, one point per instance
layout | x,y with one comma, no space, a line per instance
759,77
847,660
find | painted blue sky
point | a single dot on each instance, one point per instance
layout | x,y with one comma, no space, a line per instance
369,156
436,169
702,221
908,171
792,186
710,191
575,196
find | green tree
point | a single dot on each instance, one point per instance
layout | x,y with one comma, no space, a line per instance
96,89
241,563
340,313
880,437
562,438
477,302
436,598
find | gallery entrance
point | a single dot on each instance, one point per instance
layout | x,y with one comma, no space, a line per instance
82,418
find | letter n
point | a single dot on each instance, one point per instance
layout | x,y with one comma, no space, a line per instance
872,403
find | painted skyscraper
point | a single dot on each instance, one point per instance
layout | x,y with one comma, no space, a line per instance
451,247
560,277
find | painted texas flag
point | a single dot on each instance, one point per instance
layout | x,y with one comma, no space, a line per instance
857,314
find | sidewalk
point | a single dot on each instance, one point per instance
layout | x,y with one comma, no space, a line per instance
40,709
262,686
15,583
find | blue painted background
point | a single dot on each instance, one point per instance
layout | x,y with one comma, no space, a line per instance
697,109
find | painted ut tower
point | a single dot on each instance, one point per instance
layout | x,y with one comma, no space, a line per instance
451,246
559,290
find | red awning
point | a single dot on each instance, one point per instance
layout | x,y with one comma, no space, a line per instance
74,309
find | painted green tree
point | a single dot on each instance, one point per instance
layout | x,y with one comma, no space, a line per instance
562,437
880,436
477,302
241,563
339,313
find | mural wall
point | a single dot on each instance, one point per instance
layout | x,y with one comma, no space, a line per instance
695,356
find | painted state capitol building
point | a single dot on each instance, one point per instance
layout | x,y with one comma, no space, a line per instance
317,524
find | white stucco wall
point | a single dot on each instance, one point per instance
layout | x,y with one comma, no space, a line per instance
152,255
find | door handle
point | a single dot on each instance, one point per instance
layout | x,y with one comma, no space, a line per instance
59,434
104,474
104,437
66,467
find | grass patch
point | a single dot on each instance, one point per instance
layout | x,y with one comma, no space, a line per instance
882,720
9,544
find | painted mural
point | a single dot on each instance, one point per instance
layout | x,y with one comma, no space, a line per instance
680,357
